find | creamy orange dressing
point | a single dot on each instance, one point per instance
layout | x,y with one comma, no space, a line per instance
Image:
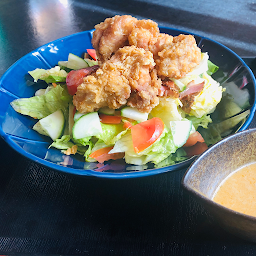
238,191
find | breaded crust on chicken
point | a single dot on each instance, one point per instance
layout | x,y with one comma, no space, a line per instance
112,34
178,58
126,78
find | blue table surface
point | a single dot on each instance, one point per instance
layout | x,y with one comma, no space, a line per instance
44,212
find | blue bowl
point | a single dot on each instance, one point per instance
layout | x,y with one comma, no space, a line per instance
16,129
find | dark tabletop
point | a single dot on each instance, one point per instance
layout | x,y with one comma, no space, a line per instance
43,211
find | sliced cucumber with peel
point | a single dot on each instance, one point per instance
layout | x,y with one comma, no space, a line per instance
77,116
75,62
63,63
52,125
38,127
107,111
134,114
87,125
180,131
91,62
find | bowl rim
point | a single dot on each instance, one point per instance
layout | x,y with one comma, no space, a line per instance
200,196
116,175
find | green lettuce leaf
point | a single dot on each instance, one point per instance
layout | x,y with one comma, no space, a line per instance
179,156
203,121
54,79
217,131
212,68
39,107
111,133
98,145
85,146
63,143
53,75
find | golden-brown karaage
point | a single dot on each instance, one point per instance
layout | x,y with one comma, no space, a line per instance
137,63
126,78
178,58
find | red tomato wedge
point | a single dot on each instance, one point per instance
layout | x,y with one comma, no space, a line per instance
146,133
193,139
196,149
75,78
102,155
92,53
107,119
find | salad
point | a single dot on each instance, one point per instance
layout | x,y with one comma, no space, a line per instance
165,135
112,134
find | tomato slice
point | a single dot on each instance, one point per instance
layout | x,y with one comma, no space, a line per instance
107,119
92,53
102,155
196,149
75,78
146,133
193,139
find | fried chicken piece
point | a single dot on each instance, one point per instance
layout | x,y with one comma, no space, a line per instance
179,58
162,41
111,35
120,31
144,97
118,81
144,34
105,88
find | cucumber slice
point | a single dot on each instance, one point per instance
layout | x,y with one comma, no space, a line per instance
38,127
77,116
40,92
87,125
107,111
91,62
63,64
52,125
180,131
134,114
75,62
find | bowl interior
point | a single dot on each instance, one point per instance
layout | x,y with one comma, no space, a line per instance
233,74
211,168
